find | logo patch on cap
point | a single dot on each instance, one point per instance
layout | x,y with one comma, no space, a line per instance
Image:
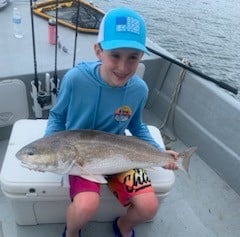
127,24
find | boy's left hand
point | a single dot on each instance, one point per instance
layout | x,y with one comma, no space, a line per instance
172,165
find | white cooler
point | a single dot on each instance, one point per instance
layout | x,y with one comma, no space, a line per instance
39,198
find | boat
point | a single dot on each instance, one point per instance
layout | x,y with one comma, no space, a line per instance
188,107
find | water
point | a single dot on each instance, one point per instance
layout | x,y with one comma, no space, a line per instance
206,32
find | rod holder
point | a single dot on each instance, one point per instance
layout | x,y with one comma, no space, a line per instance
36,106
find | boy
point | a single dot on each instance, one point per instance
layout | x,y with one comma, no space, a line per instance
107,95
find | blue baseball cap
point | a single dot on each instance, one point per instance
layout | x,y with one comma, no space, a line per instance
122,28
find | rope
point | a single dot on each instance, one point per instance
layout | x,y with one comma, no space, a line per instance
172,105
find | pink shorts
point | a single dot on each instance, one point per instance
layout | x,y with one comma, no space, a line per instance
124,185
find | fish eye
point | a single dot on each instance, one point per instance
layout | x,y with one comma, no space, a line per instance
30,153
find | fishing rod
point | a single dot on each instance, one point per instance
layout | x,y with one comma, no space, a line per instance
36,93
34,49
196,72
42,99
55,76
76,32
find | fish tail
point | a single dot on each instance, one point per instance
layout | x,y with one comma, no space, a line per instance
184,160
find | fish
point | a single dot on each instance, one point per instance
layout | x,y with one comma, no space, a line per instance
93,154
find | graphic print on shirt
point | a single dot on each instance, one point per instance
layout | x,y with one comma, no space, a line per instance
123,113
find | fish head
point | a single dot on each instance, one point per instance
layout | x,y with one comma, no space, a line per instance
47,155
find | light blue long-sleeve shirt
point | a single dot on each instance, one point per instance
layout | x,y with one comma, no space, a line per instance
86,101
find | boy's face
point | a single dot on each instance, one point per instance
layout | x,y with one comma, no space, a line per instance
118,65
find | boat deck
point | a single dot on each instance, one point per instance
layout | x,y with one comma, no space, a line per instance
201,203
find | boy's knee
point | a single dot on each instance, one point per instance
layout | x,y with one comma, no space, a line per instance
86,202
150,210
146,206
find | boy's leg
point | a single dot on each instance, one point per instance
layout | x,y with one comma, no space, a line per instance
143,207
133,188
85,201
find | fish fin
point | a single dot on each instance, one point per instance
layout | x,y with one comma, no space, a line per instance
184,160
67,169
98,178
95,178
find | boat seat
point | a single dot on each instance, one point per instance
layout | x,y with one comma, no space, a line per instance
13,102
13,106
35,193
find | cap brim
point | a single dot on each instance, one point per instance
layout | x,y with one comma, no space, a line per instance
115,44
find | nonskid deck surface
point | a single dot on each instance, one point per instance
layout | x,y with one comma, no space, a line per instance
202,203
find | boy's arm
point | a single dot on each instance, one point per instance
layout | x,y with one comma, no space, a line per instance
140,130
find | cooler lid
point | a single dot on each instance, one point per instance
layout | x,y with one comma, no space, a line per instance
16,179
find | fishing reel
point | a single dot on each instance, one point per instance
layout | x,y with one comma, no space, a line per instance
44,99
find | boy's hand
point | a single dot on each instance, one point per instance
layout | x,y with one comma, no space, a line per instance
172,165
